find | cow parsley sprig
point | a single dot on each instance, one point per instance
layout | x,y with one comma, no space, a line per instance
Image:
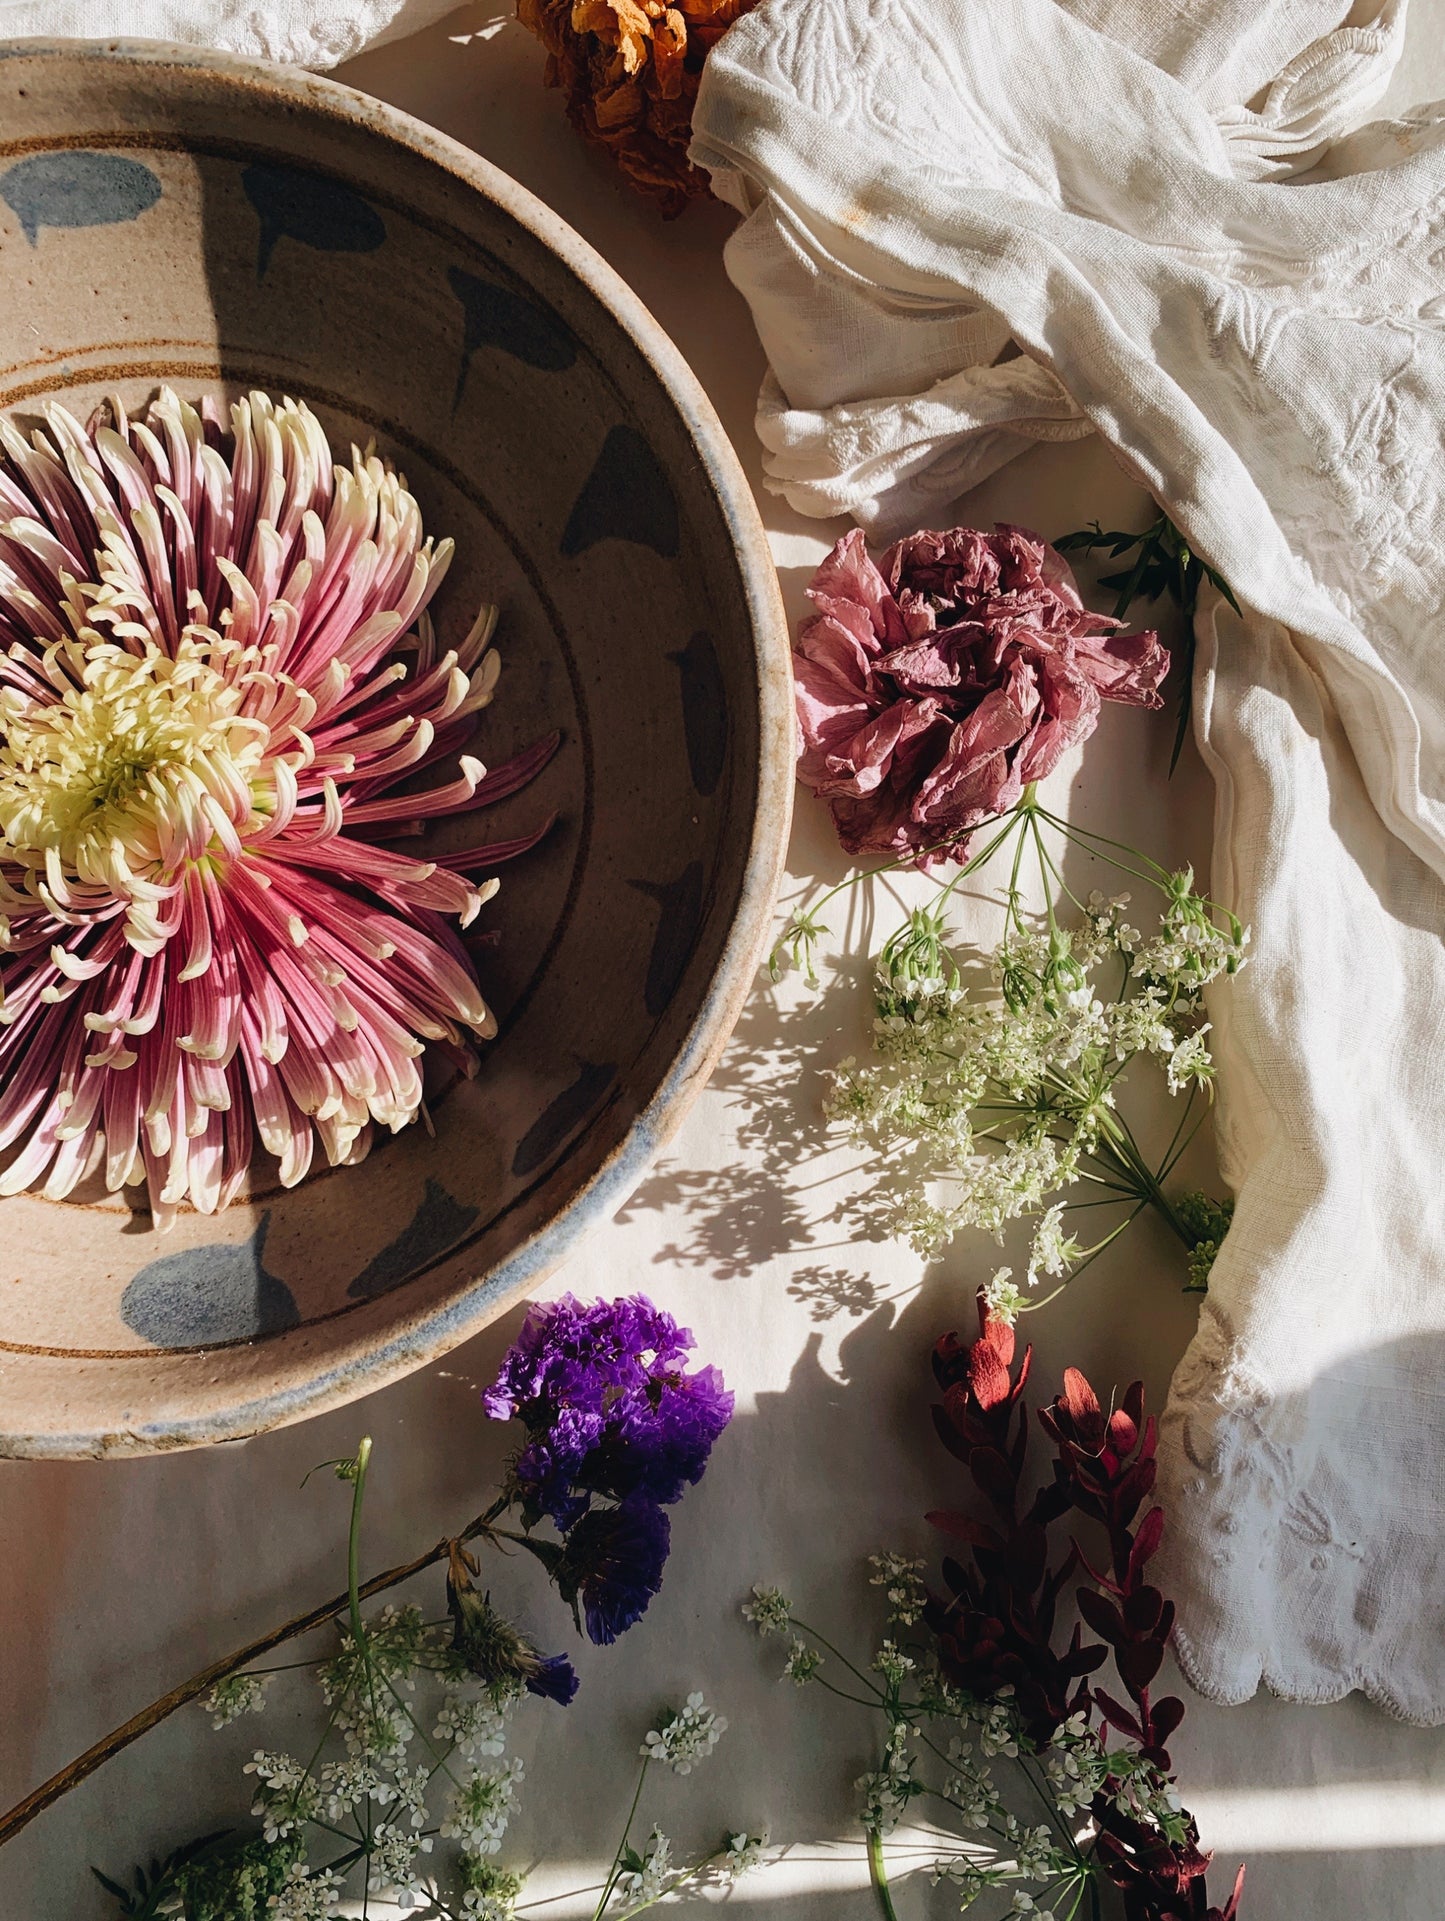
640,1876
408,1789
993,1094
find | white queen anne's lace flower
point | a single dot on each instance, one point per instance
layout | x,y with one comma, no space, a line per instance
902,1582
490,1892
802,1663
351,1784
686,1736
287,1797
1075,1764
887,1791
236,1695
475,1726
997,1731
743,1853
1052,1251
987,1106
482,1807
393,1863
769,1611
1024,1903
306,1896
1003,1299
893,1664
639,1886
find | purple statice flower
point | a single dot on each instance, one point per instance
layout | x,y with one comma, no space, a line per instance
568,1355
616,1429
612,1565
608,1406
657,1443
555,1679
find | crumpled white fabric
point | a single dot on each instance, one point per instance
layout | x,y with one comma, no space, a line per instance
973,224
307,33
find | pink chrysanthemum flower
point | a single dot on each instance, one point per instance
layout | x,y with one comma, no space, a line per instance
215,667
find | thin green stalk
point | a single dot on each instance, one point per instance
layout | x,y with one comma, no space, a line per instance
878,1875
353,1540
843,1695
839,1655
1013,821
1080,835
611,1882
1157,1197
1174,1158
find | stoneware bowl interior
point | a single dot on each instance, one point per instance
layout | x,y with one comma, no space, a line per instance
215,226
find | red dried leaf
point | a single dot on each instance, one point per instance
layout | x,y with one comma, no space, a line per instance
949,1435
1165,1716
988,1377
1102,1616
1142,1610
1138,1662
964,1527
1082,1404
1231,1907
1149,1534
1118,1716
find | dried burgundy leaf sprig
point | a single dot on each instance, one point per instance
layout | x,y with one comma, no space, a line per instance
988,1668
996,1625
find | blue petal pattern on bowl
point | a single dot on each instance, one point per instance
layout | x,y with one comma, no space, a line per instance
206,1295
324,214
626,496
77,189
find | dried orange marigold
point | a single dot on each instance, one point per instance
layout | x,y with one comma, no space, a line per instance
630,70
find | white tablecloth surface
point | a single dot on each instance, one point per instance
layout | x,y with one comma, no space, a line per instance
118,1579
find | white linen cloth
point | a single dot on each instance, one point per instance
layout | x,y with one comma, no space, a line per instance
309,33
973,224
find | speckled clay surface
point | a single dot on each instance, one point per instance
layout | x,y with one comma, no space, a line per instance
217,226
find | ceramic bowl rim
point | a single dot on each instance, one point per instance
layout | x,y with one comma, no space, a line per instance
433,1332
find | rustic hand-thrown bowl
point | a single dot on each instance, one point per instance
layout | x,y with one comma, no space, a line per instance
215,225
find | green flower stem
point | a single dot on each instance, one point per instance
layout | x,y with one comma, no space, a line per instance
1126,1150
858,1700
679,1880
878,1875
839,1655
612,1873
353,1539
95,1756
1175,1155
1032,1307
1090,840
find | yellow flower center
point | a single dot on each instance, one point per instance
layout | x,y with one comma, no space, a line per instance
120,780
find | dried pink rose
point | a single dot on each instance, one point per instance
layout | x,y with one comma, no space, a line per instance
934,686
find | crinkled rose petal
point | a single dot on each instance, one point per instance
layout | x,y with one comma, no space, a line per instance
849,576
867,759
1126,667
973,779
